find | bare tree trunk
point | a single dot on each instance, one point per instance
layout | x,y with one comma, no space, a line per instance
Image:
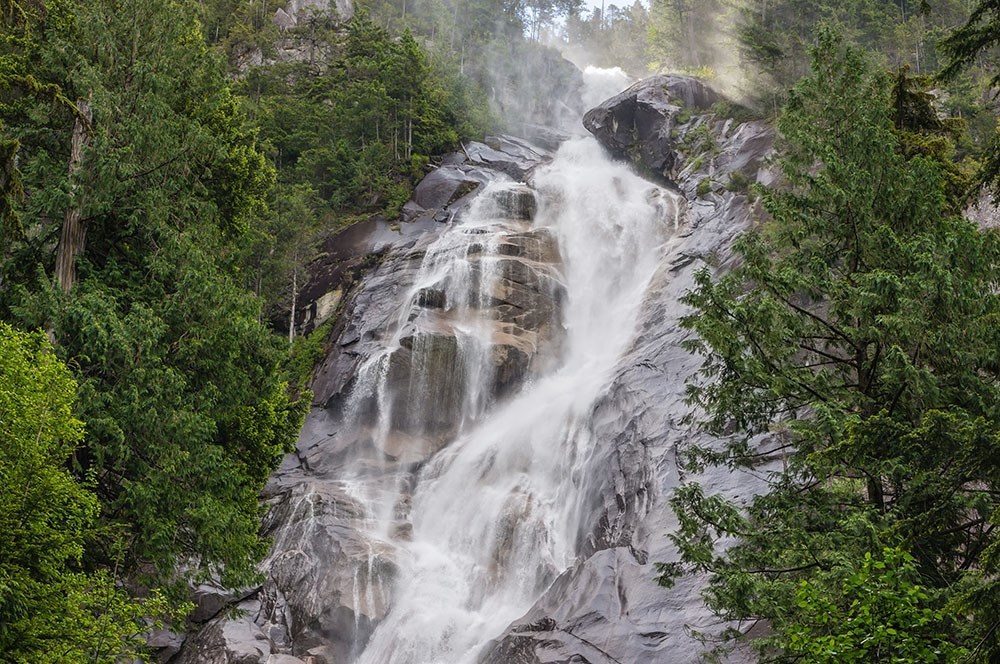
74,232
295,296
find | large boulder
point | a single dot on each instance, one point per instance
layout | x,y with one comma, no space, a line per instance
638,122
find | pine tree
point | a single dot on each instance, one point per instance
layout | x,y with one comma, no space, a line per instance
855,342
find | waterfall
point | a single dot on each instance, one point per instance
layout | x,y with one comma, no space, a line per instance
494,509
484,476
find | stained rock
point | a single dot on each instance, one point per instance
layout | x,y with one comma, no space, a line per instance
517,202
228,641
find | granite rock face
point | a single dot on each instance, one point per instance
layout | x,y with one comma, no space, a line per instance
608,608
328,579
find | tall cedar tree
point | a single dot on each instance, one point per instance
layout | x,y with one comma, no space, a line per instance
851,357
178,380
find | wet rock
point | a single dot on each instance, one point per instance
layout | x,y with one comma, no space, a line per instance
543,136
228,641
637,123
442,186
608,607
426,379
327,582
517,202
431,298
440,197
517,165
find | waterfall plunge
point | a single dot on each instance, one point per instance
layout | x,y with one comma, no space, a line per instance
495,514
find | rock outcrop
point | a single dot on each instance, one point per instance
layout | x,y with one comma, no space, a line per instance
328,578
640,122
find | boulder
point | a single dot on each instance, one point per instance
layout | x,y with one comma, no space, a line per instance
637,123
443,186
228,641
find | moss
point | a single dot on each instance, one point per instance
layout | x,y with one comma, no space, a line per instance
305,353
462,190
738,112
738,181
704,186
700,140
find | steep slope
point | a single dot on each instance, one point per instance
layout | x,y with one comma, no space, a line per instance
484,474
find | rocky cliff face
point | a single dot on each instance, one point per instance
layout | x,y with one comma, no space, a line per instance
436,330
391,393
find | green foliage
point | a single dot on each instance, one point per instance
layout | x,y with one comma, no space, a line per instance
777,35
738,181
855,343
617,38
965,48
879,615
306,352
350,126
179,381
974,39
684,34
51,610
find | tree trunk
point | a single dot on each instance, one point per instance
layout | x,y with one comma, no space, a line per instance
295,296
74,232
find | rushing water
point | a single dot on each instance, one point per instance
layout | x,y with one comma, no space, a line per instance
495,509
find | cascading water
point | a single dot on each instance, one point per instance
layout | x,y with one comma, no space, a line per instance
495,509
483,478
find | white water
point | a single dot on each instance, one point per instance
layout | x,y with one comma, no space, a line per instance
602,83
496,513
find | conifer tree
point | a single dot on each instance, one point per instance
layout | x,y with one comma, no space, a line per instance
853,351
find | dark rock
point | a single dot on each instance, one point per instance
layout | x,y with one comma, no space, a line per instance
228,641
516,166
165,643
431,298
443,186
638,121
517,202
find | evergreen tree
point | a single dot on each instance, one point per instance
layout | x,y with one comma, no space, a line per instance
856,343
157,169
968,46
51,610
